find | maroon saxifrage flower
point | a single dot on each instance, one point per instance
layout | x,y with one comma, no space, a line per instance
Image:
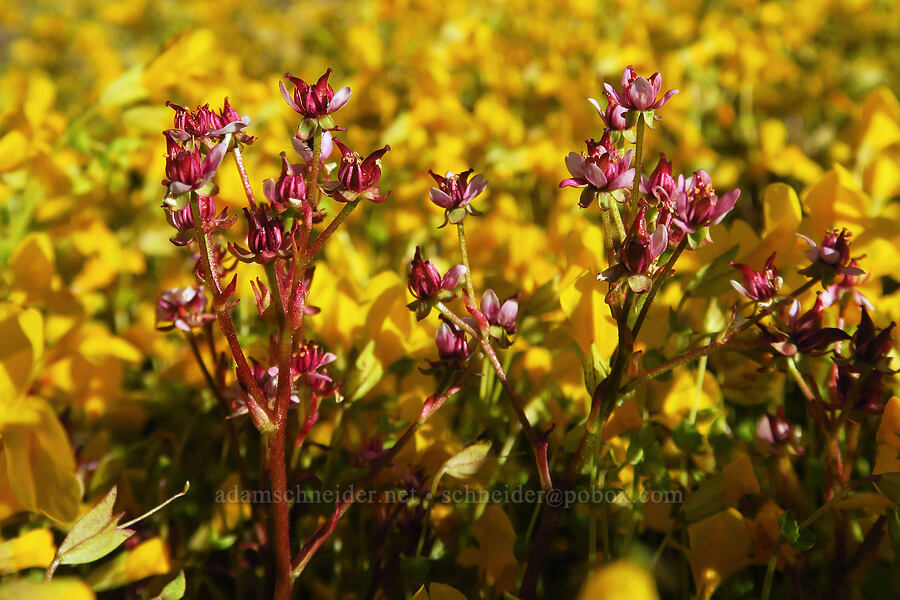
266,238
183,220
802,333
637,254
187,170
289,191
317,100
602,169
451,343
357,177
455,193
639,93
182,308
427,286
831,259
662,187
699,207
760,286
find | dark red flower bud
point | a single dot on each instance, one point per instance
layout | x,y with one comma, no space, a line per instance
188,170
357,177
869,345
638,251
661,186
289,190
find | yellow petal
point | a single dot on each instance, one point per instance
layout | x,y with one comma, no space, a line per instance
60,588
14,149
739,479
33,263
712,561
620,580
32,549
22,332
438,591
41,466
494,555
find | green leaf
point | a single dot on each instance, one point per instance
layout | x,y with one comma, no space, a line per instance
686,437
799,539
94,535
635,452
712,279
174,590
468,462
889,484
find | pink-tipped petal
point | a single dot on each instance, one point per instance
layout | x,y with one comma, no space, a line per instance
613,94
452,277
214,158
659,103
659,241
575,163
829,255
641,94
490,305
656,82
594,175
176,188
740,289
341,97
476,186
596,105
287,97
726,203
571,182
269,190
622,181
808,241
440,198
508,312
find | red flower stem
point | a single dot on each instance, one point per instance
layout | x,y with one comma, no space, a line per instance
287,337
325,530
239,161
257,401
278,476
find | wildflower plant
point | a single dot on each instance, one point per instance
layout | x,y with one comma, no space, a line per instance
649,223
749,447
